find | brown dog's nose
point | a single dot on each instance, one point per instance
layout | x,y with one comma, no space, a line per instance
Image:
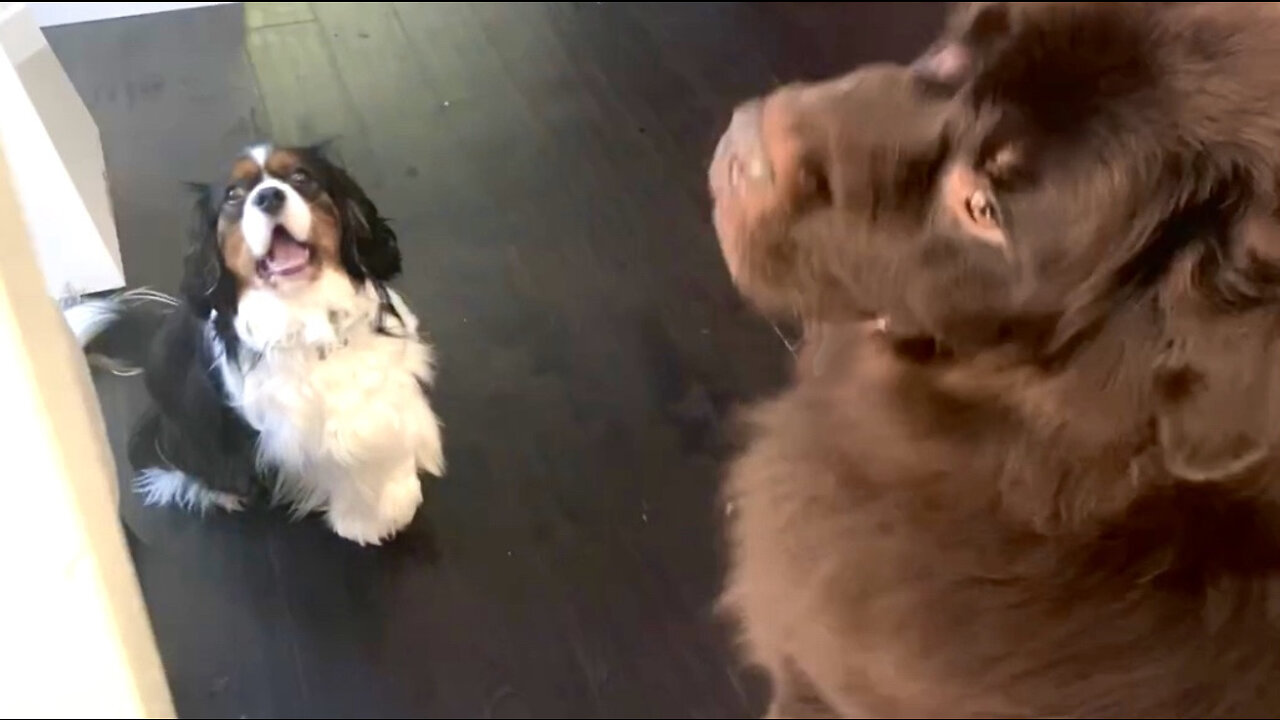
741,160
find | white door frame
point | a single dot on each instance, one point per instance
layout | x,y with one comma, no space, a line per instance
75,637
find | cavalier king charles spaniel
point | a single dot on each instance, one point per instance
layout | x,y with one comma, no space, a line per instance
286,367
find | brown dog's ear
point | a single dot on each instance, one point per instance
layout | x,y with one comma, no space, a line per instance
1215,414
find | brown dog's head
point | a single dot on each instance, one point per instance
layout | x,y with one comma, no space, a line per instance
1045,170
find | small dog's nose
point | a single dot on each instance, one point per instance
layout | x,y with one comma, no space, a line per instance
741,158
269,200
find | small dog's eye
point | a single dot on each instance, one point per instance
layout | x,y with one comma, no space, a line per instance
982,209
234,194
300,177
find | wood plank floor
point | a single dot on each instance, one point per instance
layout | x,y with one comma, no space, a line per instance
544,163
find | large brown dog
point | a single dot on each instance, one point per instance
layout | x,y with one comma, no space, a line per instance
1037,469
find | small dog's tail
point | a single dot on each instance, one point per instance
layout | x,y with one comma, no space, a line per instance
115,332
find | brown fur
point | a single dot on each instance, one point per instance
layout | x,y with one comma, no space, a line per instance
1050,486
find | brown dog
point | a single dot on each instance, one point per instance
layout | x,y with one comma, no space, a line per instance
1036,471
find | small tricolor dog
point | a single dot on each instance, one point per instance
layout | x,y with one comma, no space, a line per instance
286,367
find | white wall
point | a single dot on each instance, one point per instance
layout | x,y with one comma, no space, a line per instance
64,13
56,158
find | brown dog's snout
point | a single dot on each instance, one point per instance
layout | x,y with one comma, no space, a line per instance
754,177
786,146
767,158
741,160
755,169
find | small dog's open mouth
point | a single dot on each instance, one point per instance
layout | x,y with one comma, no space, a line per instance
287,256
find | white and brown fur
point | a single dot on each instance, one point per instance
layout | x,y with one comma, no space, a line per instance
306,386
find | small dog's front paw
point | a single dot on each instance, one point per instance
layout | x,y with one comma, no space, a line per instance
373,523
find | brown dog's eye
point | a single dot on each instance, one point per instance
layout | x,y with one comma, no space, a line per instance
300,177
982,209
970,203
234,194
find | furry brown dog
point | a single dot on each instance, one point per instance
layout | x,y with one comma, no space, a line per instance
1037,470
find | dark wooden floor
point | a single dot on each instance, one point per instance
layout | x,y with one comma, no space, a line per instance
544,164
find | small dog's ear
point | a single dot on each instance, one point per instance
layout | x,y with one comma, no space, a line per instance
1214,377
325,150
203,275
370,247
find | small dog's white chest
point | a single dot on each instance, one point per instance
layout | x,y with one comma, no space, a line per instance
323,387
347,403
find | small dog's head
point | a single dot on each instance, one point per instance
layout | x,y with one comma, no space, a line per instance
1047,176
287,217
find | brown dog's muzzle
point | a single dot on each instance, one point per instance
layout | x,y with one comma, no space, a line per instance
742,180
815,187
755,170
778,146
758,157
740,161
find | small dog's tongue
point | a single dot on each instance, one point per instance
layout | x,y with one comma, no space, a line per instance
286,254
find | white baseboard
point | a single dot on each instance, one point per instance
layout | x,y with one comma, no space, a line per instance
48,14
